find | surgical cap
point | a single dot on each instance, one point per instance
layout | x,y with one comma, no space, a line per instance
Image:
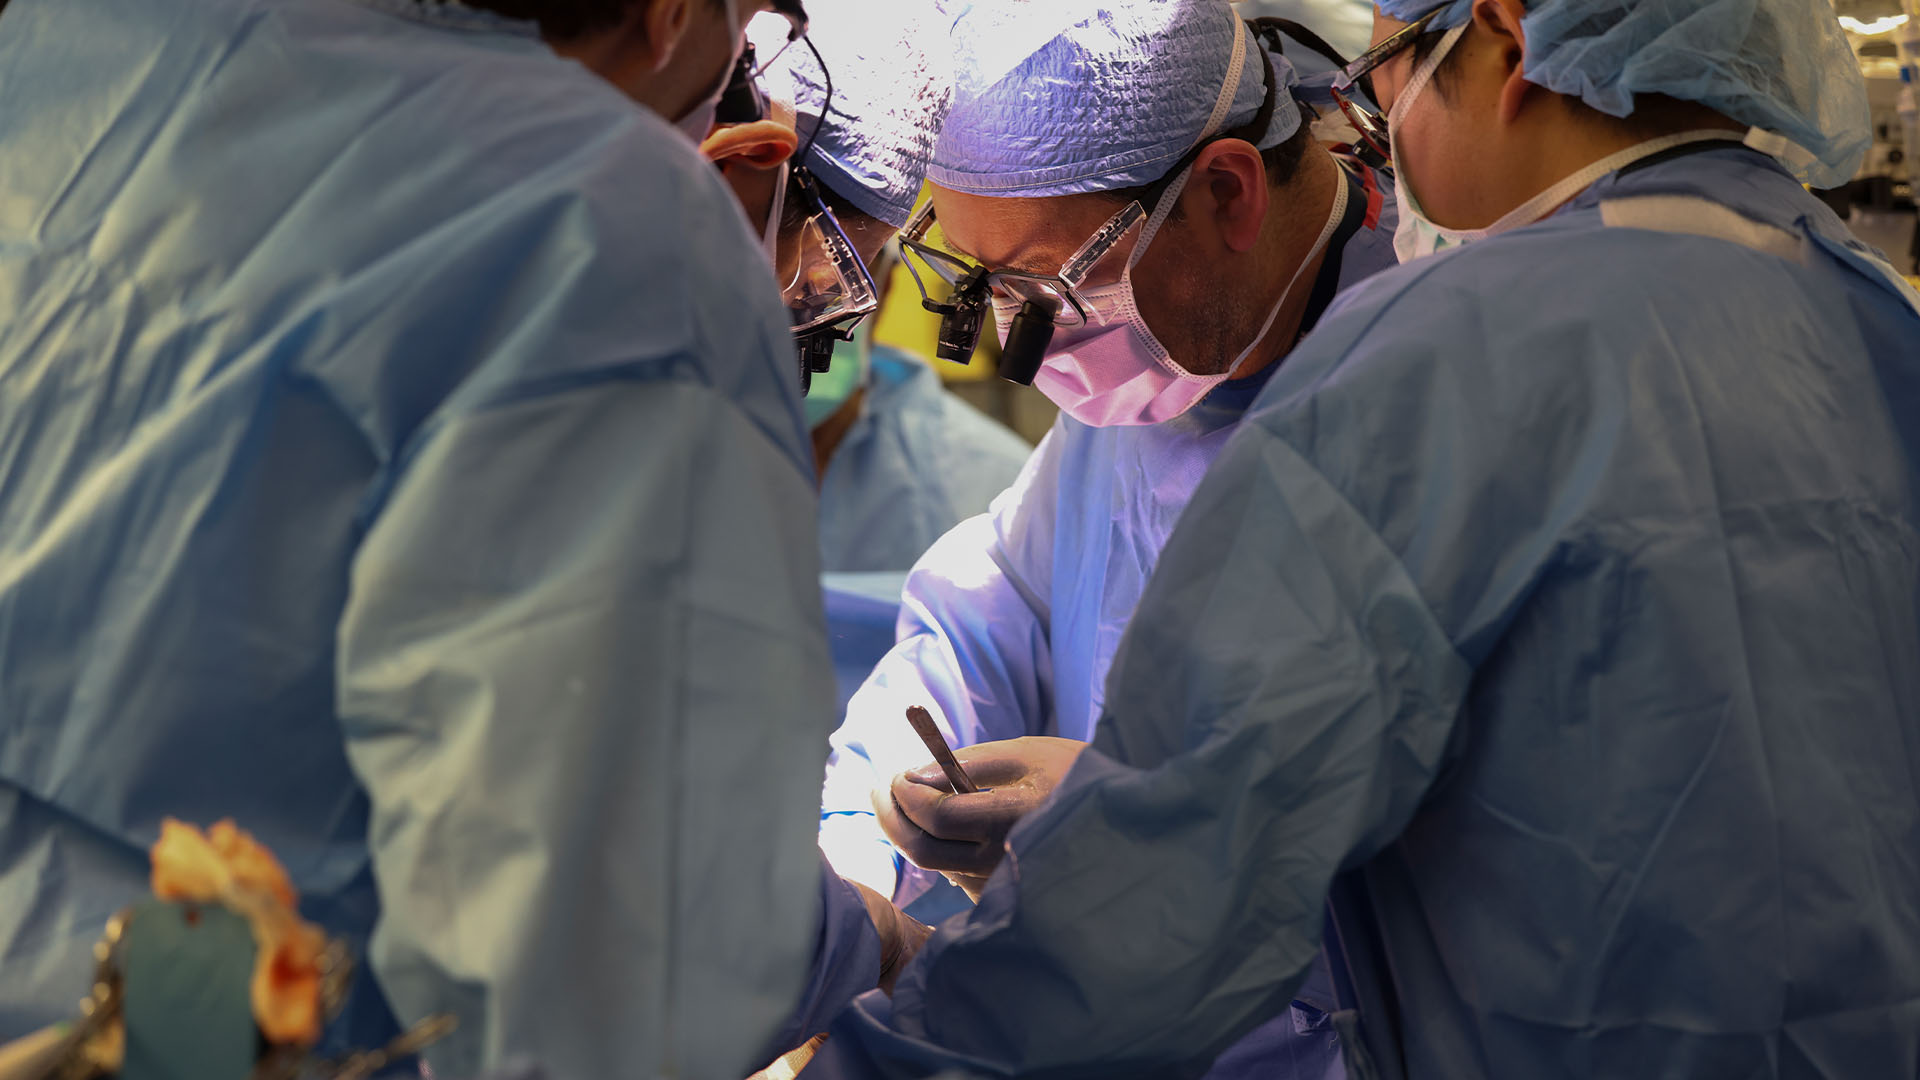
891,85
1059,97
1782,66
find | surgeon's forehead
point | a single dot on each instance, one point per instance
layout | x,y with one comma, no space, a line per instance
1033,234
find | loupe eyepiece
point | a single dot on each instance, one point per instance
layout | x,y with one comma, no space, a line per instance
816,355
1028,336
961,317
960,333
740,102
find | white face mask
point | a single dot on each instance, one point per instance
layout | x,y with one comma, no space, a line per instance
770,234
1417,235
697,122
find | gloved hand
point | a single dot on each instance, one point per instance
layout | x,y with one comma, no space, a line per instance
901,935
963,836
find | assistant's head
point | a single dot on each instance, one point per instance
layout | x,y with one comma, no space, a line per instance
1066,115
859,102
1494,101
673,56
755,157
886,70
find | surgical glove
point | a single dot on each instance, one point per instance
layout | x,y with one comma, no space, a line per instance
901,935
963,836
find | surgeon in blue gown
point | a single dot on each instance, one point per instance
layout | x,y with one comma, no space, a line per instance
401,453
1555,612
1063,117
1010,619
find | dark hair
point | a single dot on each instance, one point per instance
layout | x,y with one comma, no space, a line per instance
851,217
1423,47
842,207
568,20
1281,162
1653,115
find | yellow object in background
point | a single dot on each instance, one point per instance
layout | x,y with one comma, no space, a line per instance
903,323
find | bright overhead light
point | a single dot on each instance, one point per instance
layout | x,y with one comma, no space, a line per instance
1877,26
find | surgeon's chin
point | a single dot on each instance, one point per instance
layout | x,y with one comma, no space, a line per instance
1219,332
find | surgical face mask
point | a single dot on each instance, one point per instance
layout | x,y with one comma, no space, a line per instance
1417,235
832,387
697,122
770,233
1111,371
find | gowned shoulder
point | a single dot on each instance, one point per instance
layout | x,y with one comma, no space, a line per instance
1512,373
573,234
1506,326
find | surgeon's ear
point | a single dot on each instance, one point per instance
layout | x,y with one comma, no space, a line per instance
762,144
1500,23
664,23
1229,188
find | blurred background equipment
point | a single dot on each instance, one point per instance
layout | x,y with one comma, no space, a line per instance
1878,204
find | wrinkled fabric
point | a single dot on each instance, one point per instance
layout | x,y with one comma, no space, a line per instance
1597,673
1783,66
1010,621
400,454
1059,97
892,83
917,462
846,961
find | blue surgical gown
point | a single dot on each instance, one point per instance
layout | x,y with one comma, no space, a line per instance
916,462
1564,590
1010,621
399,454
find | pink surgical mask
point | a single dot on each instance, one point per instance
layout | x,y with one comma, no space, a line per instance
1111,371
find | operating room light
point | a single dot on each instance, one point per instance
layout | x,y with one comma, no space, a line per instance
1877,26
